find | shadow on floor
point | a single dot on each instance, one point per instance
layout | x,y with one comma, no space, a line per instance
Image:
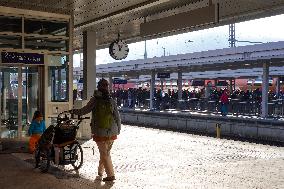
74,176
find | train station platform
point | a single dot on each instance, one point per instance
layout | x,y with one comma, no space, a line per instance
157,159
240,127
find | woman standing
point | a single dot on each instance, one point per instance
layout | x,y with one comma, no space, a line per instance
105,126
36,129
224,102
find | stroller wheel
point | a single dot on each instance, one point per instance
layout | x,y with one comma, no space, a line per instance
44,160
77,150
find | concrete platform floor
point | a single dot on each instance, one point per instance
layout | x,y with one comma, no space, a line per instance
152,158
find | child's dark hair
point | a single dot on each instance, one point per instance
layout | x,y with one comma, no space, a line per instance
102,82
37,114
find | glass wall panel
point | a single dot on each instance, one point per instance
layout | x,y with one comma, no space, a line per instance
37,43
10,32
45,27
30,92
9,102
58,77
8,41
10,24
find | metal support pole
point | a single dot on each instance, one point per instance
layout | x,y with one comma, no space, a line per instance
110,83
145,50
179,82
215,82
277,87
232,35
145,44
265,84
218,130
231,86
20,102
234,86
152,87
164,48
162,84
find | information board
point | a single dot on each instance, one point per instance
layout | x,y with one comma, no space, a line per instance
119,81
163,75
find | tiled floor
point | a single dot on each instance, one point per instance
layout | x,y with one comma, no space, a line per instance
152,158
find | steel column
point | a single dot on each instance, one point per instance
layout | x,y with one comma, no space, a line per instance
110,83
20,102
265,84
179,83
89,64
277,86
152,87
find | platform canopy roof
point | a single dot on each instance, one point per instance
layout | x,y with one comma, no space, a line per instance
230,59
128,17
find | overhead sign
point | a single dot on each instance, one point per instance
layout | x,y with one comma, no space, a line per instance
163,75
22,58
119,81
198,83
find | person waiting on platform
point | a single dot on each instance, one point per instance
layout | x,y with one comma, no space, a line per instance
36,129
105,126
224,102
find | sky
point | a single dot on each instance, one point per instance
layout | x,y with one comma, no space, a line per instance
269,29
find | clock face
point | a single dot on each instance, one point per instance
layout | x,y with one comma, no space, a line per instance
118,50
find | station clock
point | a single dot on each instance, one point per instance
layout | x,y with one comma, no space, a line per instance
118,49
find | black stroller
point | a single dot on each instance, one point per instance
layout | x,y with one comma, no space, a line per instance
58,144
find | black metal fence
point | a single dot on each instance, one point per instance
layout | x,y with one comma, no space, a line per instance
203,105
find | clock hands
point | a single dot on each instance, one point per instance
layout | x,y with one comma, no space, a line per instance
118,50
119,47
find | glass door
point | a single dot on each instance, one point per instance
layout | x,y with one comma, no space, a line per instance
9,102
21,95
32,95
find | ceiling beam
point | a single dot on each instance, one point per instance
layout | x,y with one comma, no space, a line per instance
119,13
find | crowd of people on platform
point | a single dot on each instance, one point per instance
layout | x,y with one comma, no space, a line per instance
191,97
140,97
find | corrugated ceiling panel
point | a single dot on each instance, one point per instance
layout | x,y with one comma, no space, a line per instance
108,17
